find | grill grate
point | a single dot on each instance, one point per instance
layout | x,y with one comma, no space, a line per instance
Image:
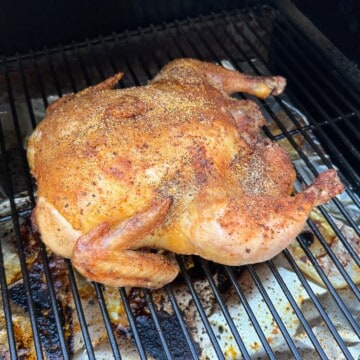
47,310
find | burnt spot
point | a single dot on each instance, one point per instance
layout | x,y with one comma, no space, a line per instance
307,238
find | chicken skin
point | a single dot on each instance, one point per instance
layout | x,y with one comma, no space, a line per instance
175,165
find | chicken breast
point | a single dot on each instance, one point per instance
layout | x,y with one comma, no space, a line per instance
175,165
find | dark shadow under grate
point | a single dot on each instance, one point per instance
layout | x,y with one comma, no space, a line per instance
270,310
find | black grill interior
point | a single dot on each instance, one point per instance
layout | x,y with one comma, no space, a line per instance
48,311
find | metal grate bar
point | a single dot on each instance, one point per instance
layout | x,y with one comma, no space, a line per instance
28,101
108,55
80,312
39,80
274,313
297,310
17,231
225,311
68,69
249,312
83,68
340,235
318,305
330,287
53,73
183,326
158,328
95,60
16,125
200,309
107,322
5,296
51,289
54,306
333,257
133,325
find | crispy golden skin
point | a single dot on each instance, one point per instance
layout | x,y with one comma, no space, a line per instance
176,165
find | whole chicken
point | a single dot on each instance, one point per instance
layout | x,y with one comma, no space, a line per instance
177,165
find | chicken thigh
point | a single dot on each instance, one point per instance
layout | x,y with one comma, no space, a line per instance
175,165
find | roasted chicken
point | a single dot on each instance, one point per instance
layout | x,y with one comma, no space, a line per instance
176,165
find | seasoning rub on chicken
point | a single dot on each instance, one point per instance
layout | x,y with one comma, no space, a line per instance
177,165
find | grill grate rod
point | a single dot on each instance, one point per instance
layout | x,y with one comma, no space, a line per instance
249,312
158,328
68,69
318,305
297,310
80,312
133,326
50,283
16,223
107,322
334,258
181,322
224,310
200,309
5,296
330,287
274,313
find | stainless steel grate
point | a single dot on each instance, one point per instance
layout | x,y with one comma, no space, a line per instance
48,311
